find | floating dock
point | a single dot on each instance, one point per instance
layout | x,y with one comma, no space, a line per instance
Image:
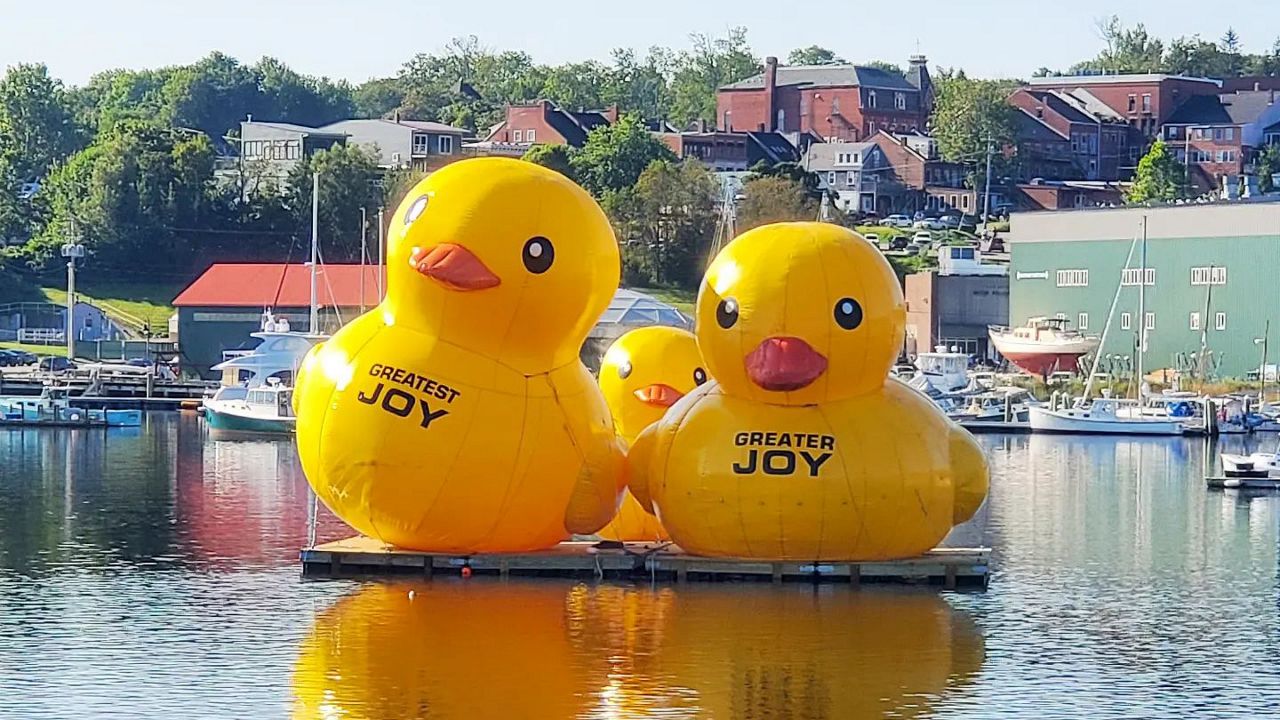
1242,483
978,427
949,568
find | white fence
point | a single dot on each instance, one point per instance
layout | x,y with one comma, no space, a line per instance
41,336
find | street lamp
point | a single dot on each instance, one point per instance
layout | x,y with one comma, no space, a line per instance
1262,366
72,251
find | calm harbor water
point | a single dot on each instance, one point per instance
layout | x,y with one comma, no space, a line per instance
152,573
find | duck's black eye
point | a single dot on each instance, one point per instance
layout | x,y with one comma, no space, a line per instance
848,313
415,210
624,370
538,255
699,376
727,313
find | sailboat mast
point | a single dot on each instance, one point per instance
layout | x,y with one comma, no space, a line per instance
1142,310
1202,364
314,326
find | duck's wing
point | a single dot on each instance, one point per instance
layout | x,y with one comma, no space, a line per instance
638,466
970,473
598,490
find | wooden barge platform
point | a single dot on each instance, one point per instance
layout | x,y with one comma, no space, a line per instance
949,568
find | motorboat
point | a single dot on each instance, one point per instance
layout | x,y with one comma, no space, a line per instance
53,407
1103,416
1254,465
1007,404
942,372
1043,345
266,409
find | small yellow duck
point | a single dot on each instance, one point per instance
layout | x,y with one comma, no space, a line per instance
456,416
643,373
801,448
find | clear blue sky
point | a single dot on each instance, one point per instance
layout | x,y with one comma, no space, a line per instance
357,40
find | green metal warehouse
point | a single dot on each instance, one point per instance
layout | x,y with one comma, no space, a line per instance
1212,276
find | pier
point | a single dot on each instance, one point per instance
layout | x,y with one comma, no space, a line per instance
948,568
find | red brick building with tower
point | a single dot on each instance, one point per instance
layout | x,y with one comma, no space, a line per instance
836,102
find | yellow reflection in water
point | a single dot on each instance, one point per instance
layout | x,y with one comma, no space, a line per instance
484,649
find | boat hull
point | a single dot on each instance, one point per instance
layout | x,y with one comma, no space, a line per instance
232,422
1073,422
1043,363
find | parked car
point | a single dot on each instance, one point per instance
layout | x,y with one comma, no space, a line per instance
899,242
55,364
897,221
8,358
873,238
950,222
924,236
929,223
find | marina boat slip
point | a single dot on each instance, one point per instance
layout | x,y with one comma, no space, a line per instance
54,408
1103,416
264,409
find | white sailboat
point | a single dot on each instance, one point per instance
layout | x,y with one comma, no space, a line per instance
1108,415
256,393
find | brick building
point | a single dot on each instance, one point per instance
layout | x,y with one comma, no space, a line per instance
736,151
917,178
834,102
1145,101
544,122
1203,135
1098,139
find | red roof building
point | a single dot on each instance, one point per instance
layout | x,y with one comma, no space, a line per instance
223,306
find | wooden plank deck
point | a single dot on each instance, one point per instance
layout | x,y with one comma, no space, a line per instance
946,567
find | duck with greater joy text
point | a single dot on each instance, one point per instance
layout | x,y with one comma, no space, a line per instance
643,373
456,416
801,448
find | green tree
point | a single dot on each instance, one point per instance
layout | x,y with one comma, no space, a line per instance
666,223
814,55
1268,164
37,126
697,73
615,155
555,157
1128,50
774,199
970,113
887,67
348,182
378,97
1159,177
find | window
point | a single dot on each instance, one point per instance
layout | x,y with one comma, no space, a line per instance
1060,316
1195,321
1220,321
728,120
1151,321
1217,133
1210,275
871,98
1231,133
528,136
1222,156
421,144
1073,278
782,120
1133,103
1146,102
964,202
1131,276
831,179
850,178
1082,322
900,101
1173,129
1126,321
444,143
519,136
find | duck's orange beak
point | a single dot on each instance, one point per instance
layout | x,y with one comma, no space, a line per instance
659,395
782,364
453,266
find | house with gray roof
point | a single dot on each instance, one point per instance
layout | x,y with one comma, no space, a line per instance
416,144
835,102
850,171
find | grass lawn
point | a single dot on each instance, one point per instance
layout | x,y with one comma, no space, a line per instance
682,300
37,349
131,303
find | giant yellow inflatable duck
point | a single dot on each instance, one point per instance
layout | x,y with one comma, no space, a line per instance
456,416
801,448
643,373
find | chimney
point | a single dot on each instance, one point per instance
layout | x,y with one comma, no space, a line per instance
250,115
395,117
770,86
1257,86
611,113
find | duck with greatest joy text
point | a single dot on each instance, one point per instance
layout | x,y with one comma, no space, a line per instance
456,416
643,373
801,447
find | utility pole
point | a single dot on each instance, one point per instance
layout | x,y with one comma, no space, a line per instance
72,250
364,224
314,327
986,196
382,265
